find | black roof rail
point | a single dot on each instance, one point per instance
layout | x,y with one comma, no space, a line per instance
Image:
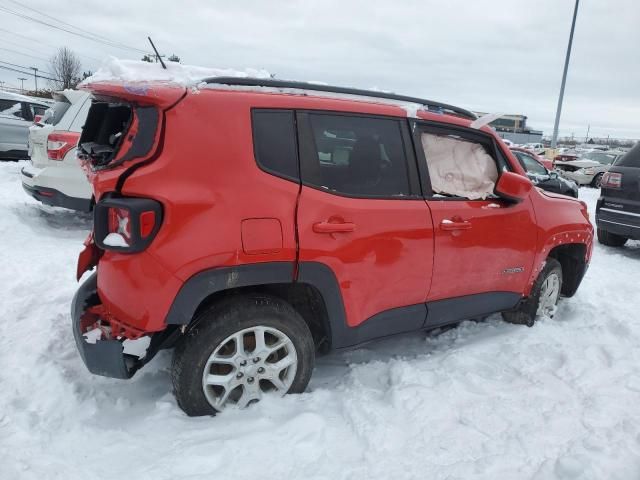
275,83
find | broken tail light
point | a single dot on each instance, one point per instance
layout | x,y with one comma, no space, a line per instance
126,224
59,143
611,180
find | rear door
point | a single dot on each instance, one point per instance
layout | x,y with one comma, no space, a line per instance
361,214
484,245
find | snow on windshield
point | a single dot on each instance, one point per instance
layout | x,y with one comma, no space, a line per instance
114,69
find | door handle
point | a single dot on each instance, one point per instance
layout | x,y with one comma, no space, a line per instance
449,225
328,227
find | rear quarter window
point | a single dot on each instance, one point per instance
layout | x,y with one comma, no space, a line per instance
55,113
274,142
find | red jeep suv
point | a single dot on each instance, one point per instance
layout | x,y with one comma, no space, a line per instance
251,223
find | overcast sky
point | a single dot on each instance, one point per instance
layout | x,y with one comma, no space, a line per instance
489,55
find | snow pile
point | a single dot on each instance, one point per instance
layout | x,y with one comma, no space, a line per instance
484,401
114,69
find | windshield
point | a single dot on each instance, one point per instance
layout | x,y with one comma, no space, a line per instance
603,158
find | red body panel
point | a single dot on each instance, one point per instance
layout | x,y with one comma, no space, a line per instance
500,236
384,262
220,209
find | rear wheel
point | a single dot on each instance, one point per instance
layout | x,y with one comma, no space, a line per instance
597,180
543,298
610,239
240,350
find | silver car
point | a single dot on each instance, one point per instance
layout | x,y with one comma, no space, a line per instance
589,168
17,113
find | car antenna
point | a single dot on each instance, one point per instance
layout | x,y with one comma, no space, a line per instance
157,54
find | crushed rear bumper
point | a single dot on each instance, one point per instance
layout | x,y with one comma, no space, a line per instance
104,357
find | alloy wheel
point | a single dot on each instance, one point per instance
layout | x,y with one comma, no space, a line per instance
248,364
549,293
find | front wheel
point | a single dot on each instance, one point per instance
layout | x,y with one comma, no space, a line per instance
597,180
543,298
238,351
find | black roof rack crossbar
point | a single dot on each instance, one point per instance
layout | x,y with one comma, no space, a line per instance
274,83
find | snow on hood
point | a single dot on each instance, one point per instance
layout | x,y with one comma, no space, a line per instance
117,70
580,163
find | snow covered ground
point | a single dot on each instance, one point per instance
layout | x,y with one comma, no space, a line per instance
485,400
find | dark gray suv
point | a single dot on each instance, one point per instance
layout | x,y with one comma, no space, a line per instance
618,208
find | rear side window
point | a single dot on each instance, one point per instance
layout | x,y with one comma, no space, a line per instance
55,113
631,158
356,156
274,142
11,107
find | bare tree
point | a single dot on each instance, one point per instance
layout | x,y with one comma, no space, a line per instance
65,66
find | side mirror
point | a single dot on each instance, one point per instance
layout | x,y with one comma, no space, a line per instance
513,186
553,174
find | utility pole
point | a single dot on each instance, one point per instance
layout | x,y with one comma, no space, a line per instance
587,138
564,77
35,77
22,79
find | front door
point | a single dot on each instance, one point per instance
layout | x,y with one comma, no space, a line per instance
484,245
361,214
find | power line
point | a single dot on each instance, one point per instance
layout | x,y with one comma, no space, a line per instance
41,43
19,45
25,54
24,66
61,21
41,22
27,73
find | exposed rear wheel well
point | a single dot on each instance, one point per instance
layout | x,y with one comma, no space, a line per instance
303,297
572,259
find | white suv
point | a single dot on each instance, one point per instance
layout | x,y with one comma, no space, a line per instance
54,176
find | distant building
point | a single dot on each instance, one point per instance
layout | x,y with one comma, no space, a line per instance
514,128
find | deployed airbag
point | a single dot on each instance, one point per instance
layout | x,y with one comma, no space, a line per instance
459,167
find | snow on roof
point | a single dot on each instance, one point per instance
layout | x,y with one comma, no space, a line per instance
114,69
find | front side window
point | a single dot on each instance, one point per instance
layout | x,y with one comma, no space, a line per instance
357,156
459,167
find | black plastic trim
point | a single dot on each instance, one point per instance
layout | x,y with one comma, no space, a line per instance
397,320
208,282
144,140
468,307
57,198
438,107
135,206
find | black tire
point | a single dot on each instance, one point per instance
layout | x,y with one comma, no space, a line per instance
611,239
525,313
221,320
597,180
